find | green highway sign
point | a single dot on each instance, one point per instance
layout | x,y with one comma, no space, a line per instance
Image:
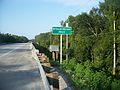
62,30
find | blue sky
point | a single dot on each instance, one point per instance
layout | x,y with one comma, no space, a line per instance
31,17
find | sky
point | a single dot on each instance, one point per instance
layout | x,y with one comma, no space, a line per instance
32,17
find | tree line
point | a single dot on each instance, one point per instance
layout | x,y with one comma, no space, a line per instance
9,38
91,47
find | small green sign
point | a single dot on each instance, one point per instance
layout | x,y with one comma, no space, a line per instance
62,30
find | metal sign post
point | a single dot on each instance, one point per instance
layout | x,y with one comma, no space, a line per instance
66,44
62,31
61,49
114,46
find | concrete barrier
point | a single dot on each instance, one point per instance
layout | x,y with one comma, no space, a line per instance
44,78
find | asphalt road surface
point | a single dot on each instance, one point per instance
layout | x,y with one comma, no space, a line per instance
18,71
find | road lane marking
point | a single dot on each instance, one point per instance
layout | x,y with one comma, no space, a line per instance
11,51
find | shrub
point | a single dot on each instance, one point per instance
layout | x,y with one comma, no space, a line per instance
84,78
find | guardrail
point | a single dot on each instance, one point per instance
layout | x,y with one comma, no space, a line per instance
44,78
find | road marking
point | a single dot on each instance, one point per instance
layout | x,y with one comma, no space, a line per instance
11,51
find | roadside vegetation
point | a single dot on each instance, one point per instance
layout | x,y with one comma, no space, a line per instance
9,38
91,52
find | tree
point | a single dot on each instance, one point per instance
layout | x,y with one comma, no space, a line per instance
111,10
91,47
9,38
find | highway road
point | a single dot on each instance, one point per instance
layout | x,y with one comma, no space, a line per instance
18,70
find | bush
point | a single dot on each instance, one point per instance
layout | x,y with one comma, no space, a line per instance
116,84
84,78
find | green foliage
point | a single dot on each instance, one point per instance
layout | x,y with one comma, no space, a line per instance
83,77
111,10
103,52
43,50
69,65
91,47
43,39
116,84
9,38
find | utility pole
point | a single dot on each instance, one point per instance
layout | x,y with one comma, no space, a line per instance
67,44
114,46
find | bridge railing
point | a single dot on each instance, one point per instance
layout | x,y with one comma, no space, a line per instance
44,78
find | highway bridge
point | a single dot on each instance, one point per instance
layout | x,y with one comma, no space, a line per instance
20,68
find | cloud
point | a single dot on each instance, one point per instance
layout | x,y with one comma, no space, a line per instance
76,2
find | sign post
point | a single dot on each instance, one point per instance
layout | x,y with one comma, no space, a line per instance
61,49
54,49
66,44
62,31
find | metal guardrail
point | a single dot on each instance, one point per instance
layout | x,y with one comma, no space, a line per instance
44,78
